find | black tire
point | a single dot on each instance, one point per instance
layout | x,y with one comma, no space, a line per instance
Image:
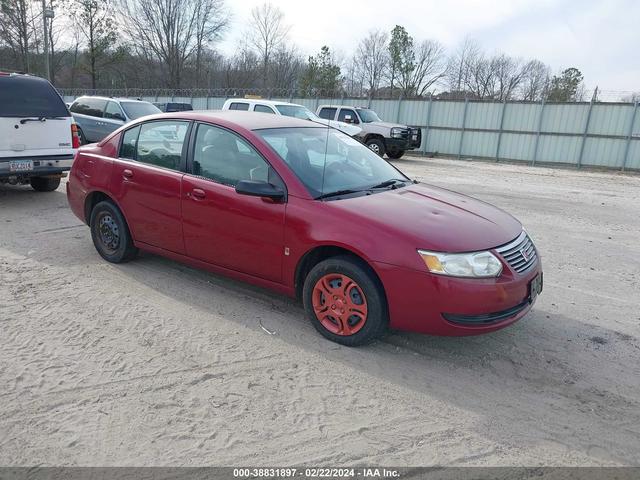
377,319
395,154
110,233
44,184
376,146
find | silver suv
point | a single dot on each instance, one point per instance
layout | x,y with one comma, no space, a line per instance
97,117
381,137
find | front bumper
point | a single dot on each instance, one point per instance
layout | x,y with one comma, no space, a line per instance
411,141
439,305
42,166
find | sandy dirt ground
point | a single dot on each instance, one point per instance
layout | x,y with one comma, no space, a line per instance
154,363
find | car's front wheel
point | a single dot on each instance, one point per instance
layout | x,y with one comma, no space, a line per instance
345,301
376,146
44,184
110,233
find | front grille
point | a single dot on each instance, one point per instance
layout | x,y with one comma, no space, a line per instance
520,254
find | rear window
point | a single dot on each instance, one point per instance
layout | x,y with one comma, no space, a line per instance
29,97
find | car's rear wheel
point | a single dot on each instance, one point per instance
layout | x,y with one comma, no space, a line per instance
396,154
376,146
345,301
110,233
44,184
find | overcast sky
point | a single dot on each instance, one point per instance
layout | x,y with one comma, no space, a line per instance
601,38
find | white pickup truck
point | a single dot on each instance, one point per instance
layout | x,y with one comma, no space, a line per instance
289,110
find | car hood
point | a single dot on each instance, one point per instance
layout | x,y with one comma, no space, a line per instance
387,124
434,218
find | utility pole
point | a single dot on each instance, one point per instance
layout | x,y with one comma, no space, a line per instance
47,13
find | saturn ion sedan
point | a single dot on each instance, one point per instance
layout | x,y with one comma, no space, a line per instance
309,212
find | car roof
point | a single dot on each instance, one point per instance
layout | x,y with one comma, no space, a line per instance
342,106
262,102
113,99
244,119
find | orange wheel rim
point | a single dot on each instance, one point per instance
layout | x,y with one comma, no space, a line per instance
339,304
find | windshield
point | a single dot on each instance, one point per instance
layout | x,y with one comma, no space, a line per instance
296,111
368,116
327,160
138,109
22,96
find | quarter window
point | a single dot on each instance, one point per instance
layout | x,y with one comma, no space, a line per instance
226,158
160,143
92,107
129,141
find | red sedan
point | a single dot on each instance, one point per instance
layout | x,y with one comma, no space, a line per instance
307,211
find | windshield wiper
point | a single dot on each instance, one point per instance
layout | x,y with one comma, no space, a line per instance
40,119
339,192
389,183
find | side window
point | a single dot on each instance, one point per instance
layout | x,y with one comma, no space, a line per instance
89,106
160,143
113,111
263,109
328,113
347,111
239,106
128,145
226,158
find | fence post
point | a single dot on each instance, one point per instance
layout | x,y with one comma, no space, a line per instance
464,121
398,108
504,107
535,148
629,136
584,133
426,130
317,103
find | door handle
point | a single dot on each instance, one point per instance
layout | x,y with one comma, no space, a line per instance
127,173
198,193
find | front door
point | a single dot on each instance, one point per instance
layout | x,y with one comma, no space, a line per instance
147,182
225,228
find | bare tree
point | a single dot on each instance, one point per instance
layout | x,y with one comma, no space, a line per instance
212,18
171,31
16,19
286,67
268,34
429,67
535,80
372,59
459,65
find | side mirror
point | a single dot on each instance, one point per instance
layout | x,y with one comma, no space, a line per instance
348,119
259,188
118,116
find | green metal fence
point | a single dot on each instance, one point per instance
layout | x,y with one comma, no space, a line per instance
580,134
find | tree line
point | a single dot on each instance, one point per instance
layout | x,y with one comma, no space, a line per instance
171,44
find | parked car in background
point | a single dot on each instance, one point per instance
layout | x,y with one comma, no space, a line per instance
38,136
381,137
97,117
310,212
289,110
174,107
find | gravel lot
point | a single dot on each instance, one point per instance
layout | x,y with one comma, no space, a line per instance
154,363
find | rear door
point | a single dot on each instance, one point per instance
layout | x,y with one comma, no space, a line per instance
34,121
146,181
88,113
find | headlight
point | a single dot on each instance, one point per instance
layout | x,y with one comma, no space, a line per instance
396,132
474,265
